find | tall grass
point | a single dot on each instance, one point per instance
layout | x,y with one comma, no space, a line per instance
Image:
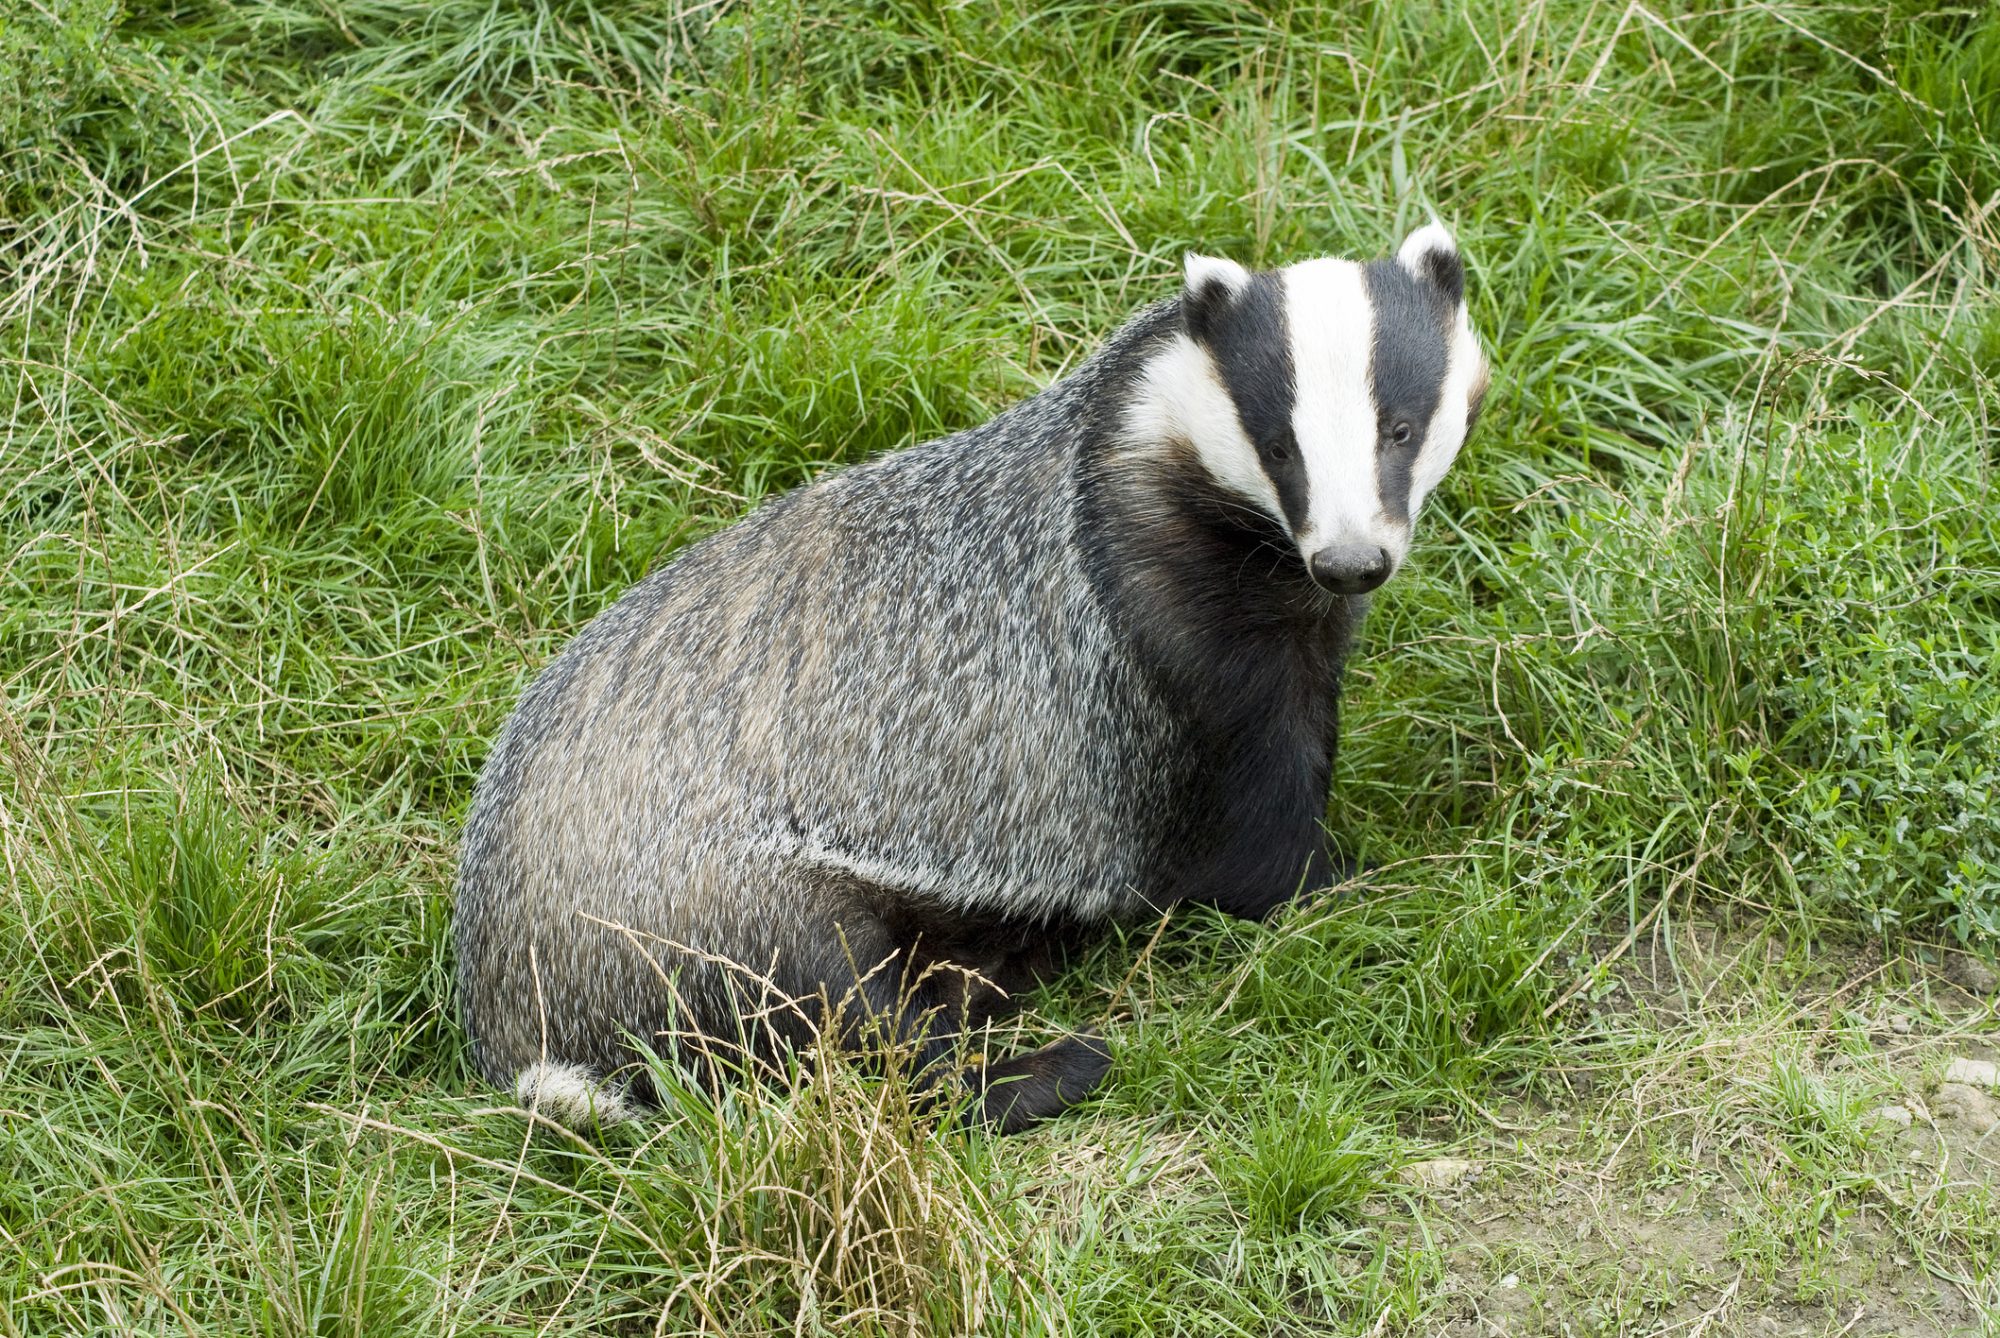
357,354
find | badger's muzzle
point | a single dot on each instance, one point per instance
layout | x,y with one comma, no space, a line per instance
1350,569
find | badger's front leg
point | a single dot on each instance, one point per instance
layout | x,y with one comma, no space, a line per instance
1257,893
1264,845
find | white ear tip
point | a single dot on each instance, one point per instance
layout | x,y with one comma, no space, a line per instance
1432,237
1203,270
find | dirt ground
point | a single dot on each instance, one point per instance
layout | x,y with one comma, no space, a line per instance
1738,1135
1769,1145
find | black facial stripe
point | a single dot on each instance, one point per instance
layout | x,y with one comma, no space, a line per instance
1413,319
1247,339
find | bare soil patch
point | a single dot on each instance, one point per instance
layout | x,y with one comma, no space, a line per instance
1749,1140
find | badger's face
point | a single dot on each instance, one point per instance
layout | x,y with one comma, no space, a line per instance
1331,395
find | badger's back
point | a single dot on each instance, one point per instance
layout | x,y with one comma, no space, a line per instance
898,677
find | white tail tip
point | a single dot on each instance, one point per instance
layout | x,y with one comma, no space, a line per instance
572,1096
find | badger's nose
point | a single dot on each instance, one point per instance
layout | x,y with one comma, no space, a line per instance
1350,569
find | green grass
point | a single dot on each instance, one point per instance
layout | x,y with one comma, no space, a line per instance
356,354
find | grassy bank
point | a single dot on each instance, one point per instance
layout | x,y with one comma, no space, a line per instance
358,353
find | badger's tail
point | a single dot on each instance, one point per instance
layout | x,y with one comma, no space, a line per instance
572,1095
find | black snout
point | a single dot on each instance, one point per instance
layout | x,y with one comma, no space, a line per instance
1350,569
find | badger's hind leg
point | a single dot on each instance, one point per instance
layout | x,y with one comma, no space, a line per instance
1023,1090
944,980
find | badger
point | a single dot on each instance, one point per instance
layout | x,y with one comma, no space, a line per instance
872,759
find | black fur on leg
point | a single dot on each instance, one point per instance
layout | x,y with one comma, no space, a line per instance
896,985
1325,868
1023,1090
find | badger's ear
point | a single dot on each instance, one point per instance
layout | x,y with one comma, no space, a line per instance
1431,256
1212,284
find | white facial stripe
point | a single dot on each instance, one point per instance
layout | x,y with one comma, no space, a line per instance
1447,426
1182,398
1332,332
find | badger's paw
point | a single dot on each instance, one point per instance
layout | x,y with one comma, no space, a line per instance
1024,1090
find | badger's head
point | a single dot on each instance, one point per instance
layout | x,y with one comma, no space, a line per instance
1331,395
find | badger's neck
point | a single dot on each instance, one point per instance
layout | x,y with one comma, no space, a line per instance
1188,560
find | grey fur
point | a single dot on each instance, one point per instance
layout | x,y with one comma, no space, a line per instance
957,705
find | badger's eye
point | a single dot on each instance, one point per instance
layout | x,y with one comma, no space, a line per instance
1400,434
